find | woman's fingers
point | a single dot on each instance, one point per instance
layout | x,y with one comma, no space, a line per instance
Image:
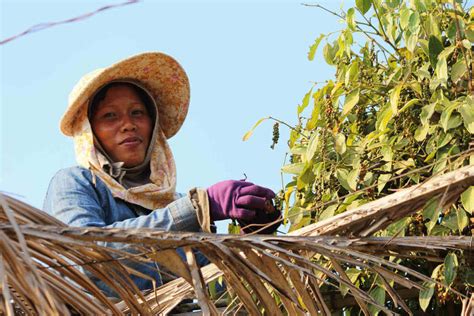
242,213
257,190
251,202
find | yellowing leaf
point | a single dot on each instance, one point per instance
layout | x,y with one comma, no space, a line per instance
467,199
250,132
352,178
350,101
395,97
458,70
408,105
446,114
404,17
426,294
462,218
295,168
313,145
314,47
442,70
350,19
340,143
384,117
467,112
305,101
328,212
351,73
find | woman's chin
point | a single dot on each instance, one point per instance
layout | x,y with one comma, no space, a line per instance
132,162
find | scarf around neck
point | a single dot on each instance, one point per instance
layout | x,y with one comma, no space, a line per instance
151,185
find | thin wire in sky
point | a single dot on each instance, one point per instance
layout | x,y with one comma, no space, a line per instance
42,26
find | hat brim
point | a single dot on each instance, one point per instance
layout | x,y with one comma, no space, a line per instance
160,74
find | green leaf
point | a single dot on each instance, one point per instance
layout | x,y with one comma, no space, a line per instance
329,52
363,5
352,178
426,294
442,70
398,228
446,114
447,52
470,34
306,177
408,105
313,48
443,141
426,113
340,143
350,101
432,27
412,40
328,212
421,132
313,146
350,19
458,70
463,219
435,48
454,121
414,22
378,294
395,97
296,168
352,274
352,73
431,211
451,221
342,175
467,199
420,5
233,229
293,137
382,181
250,132
305,102
467,112
404,18
450,268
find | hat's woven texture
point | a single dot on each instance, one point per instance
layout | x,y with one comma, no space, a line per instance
160,74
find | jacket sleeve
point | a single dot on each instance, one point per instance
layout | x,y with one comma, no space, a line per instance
76,201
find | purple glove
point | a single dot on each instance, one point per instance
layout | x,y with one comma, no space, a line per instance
237,200
261,220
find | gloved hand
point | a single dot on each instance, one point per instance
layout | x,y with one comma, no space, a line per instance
239,200
270,215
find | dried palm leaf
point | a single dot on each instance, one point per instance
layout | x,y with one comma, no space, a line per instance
43,261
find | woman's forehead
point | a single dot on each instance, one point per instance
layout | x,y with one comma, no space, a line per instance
121,91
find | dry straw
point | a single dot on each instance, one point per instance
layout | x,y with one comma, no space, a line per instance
41,261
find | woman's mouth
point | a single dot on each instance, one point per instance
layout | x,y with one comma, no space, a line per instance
131,141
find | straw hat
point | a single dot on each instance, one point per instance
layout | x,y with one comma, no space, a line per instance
160,74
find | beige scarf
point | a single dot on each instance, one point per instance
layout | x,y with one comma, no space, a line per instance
157,194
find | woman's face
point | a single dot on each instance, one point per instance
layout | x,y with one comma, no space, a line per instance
123,125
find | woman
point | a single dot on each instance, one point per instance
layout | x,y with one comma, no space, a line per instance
120,118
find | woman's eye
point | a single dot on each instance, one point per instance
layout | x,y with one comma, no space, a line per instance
138,112
108,115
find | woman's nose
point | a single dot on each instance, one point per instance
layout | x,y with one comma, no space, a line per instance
128,124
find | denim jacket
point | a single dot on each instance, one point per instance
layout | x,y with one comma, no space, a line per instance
76,200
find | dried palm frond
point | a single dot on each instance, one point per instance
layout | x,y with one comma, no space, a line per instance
43,261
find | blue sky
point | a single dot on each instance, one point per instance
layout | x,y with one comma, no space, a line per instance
245,60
